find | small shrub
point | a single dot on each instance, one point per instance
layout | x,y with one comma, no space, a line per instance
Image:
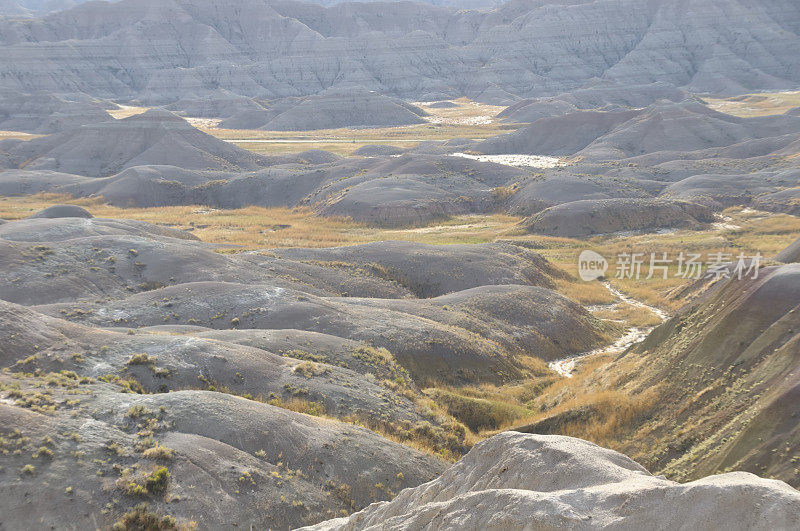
131,488
141,518
160,372
310,369
29,359
43,451
115,448
135,412
502,193
300,405
142,486
478,413
159,452
141,359
157,481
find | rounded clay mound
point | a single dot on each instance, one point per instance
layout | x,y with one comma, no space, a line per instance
63,211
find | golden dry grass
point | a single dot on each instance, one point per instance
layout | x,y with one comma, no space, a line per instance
259,227
761,104
586,293
629,315
543,393
124,111
467,120
614,411
300,405
250,227
5,135
617,414
339,147
477,413
746,231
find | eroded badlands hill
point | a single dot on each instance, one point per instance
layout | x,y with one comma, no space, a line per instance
489,303
230,389
106,148
334,108
125,50
517,481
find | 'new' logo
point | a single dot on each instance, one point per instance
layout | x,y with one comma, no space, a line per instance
591,265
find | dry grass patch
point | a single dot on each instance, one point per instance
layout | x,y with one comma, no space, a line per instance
467,120
761,104
259,227
477,414
629,315
586,293
126,111
610,414
616,416
340,147
141,517
17,135
300,405
744,231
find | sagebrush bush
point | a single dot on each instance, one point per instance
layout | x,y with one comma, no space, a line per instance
141,518
158,452
141,359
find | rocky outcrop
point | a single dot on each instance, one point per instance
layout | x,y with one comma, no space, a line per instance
520,481
782,200
42,7
30,8
530,110
473,335
684,126
218,105
382,189
570,184
412,189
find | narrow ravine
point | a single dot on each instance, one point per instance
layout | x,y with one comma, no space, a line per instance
633,335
